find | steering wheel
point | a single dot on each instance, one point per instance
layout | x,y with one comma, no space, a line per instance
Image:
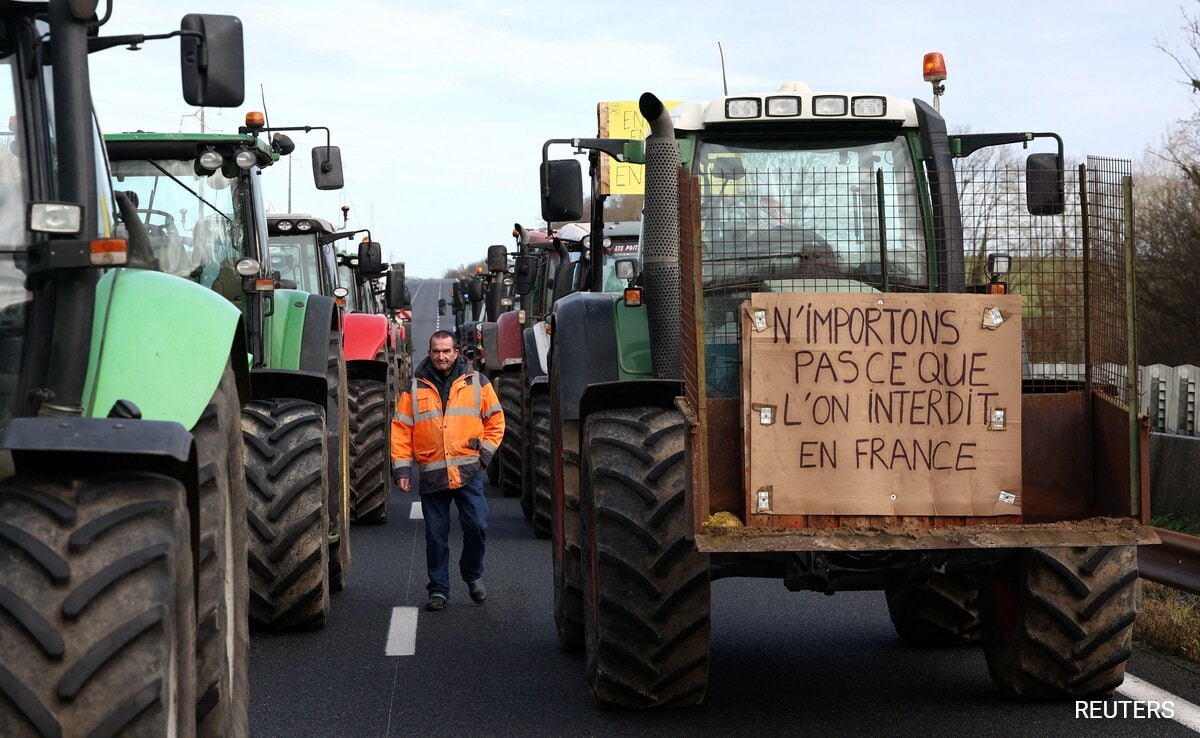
157,229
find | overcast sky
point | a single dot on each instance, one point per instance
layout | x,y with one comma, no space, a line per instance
441,109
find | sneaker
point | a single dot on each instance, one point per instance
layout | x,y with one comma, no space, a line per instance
436,602
478,591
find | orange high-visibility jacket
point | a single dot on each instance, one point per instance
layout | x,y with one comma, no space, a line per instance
440,439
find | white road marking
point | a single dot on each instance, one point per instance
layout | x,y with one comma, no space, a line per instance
1186,714
415,513
402,633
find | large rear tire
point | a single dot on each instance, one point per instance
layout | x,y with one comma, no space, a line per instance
98,631
538,463
1061,625
508,389
646,588
564,545
370,419
222,627
289,518
942,610
337,416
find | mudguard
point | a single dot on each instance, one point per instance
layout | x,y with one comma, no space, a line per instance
299,330
365,335
509,343
161,342
533,361
490,340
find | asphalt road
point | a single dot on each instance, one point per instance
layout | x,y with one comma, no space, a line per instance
781,663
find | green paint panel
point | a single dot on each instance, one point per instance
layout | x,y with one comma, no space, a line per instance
159,341
285,329
633,341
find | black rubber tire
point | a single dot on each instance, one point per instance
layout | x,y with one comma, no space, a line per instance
287,509
538,462
508,389
337,417
646,588
370,454
1061,627
942,610
222,625
493,471
98,630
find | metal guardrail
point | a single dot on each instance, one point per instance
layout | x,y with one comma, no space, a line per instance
1175,562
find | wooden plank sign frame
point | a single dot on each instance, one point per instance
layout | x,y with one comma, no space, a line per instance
863,404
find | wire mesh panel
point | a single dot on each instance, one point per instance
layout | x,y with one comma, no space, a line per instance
1108,222
1047,264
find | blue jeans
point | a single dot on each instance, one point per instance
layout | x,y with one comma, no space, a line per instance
472,516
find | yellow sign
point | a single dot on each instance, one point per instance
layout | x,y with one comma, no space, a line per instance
623,120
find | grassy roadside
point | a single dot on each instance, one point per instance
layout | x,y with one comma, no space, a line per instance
1169,621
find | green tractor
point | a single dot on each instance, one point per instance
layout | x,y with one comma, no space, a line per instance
304,249
200,198
730,414
122,496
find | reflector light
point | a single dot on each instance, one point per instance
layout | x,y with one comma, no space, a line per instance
743,107
264,285
869,107
778,107
633,297
108,252
934,67
997,288
829,105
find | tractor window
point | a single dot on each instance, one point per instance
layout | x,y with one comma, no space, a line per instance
296,258
354,298
190,219
13,169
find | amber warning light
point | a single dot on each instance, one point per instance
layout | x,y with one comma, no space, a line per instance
935,67
255,119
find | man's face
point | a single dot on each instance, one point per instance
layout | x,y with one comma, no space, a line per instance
443,354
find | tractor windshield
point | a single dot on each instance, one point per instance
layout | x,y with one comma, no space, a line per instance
190,219
347,278
296,258
778,210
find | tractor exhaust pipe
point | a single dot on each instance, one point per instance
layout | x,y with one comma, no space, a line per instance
660,241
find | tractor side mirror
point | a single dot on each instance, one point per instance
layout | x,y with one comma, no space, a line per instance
327,167
1044,185
442,306
475,290
370,259
213,65
524,274
497,259
396,293
562,190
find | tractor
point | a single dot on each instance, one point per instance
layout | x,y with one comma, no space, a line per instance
823,371
199,195
122,496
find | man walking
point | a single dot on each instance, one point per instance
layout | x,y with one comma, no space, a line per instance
451,422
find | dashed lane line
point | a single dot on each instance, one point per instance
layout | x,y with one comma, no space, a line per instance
415,512
402,633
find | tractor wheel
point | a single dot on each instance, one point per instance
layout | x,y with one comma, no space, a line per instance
337,415
222,625
98,634
493,470
1061,627
646,588
289,518
940,611
538,462
568,578
370,482
508,388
